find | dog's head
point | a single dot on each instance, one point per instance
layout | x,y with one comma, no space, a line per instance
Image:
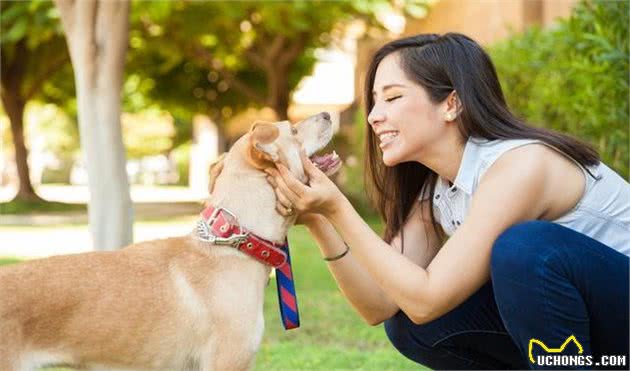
282,141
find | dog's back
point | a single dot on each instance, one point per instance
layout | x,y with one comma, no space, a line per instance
177,293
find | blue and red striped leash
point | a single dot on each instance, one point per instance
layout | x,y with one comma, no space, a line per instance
287,298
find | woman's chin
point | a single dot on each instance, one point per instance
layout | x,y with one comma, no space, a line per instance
390,161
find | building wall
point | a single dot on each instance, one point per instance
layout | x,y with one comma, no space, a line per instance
553,9
488,21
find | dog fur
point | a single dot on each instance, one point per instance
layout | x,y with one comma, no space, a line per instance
170,304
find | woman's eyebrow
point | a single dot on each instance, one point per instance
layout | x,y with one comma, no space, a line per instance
389,86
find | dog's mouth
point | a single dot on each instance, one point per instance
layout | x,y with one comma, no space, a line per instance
328,163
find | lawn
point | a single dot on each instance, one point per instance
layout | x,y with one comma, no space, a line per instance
34,207
331,336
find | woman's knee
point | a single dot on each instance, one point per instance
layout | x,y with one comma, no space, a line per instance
520,247
424,343
398,330
413,341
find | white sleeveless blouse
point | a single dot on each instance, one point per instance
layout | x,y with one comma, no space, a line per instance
603,212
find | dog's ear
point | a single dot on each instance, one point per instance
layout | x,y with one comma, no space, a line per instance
262,136
215,170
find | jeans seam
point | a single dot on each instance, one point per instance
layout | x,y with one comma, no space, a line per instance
472,361
544,270
541,269
468,331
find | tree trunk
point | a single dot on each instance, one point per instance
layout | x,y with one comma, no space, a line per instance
278,82
97,37
12,74
277,63
14,107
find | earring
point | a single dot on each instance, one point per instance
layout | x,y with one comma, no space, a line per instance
450,116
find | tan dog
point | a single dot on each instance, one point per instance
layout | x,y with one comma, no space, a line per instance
172,304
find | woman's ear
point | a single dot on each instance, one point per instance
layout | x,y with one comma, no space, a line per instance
262,138
453,106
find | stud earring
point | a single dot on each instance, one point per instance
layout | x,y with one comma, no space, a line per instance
450,116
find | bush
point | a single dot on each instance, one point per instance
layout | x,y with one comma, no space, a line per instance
574,77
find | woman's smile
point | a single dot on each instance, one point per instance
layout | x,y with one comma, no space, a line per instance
387,137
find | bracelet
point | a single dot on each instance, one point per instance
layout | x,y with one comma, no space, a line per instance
333,258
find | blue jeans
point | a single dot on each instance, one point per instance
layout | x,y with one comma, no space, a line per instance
548,282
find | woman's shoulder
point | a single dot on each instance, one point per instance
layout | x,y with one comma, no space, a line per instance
523,155
564,180
492,149
517,152
480,154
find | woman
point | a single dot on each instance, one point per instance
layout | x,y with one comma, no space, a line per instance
538,227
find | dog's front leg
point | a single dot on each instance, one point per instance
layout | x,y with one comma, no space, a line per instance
10,347
228,360
233,349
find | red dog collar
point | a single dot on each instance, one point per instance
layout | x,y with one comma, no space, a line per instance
220,227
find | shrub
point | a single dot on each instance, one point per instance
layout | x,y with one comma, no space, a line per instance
573,77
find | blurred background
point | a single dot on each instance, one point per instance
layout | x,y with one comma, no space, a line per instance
197,74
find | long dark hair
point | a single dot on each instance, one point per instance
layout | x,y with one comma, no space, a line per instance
441,64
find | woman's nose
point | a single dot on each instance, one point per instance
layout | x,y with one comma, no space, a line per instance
375,117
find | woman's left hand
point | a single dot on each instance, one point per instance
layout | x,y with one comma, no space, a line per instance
319,196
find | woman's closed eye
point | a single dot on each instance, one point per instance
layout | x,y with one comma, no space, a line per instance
392,98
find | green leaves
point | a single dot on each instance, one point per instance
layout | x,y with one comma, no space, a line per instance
37,21
238,43
213,57
574,77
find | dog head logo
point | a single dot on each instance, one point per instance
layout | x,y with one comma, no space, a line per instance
567,343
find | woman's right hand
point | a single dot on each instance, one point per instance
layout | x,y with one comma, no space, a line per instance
283,206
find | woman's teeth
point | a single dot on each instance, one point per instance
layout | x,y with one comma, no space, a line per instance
386,138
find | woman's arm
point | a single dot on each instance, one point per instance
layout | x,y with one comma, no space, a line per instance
514,189
363,293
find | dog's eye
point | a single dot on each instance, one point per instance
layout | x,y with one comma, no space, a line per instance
294,130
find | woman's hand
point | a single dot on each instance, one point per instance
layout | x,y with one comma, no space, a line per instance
283,204
320,195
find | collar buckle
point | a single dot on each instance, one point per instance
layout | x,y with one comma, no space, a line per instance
205,234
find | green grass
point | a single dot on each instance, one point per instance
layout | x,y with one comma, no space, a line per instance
6,261
331,336
30,207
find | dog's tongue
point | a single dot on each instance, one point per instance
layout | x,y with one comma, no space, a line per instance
329,163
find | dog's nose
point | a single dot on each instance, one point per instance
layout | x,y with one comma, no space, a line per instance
325,115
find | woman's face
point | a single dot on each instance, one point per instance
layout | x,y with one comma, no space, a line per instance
403,118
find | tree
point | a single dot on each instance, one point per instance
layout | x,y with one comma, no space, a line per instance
574,77
31,33
97,37
228,56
